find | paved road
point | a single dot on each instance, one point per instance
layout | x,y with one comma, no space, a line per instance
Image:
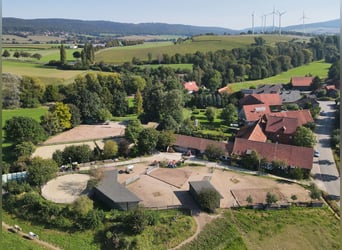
324,171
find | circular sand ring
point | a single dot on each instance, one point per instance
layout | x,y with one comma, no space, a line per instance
66,188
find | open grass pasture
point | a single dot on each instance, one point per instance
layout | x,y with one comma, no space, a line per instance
318,68
48,53
48,75
200,43
294,228
7,39
14,241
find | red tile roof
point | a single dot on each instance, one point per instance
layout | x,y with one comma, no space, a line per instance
301,81
201,144
303,116
269,99
285,124
253,133
301,157
330,87
255,112
191,86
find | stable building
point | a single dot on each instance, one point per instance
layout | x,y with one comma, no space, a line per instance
113,194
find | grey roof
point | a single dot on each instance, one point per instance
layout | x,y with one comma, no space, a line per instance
290,96
110,187
268,89
199,185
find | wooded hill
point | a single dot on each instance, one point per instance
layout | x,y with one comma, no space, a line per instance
40,26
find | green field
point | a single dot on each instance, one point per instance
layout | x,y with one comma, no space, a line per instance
48,75
318,68
48,53
294,228
200,43
12,241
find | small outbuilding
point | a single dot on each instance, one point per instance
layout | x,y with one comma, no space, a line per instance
195,188
113,194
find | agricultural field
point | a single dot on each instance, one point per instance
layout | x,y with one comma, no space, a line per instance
318,68
48,75
200,43
48,53
7,39
308,228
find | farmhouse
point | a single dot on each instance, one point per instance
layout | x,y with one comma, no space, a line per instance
280,129
294,156
304,116
272,100
301,83
195,188
191,87
113,194
252,132
290,96
252,113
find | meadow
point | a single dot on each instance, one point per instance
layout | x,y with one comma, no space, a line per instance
198,43
156,237
317,68
48,75
307,228
12,241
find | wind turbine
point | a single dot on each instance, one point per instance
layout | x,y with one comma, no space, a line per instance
280,14
303,18
262,24
273,13
253,23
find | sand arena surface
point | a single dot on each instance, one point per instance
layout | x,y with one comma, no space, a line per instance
65,188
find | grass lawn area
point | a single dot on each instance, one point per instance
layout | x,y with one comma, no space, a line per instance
48,75
318,68
294,228
214,128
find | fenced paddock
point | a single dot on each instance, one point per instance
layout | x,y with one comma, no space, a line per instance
66,188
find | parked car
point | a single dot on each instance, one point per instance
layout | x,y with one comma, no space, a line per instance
316,153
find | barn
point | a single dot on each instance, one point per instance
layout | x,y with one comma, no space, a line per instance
113,194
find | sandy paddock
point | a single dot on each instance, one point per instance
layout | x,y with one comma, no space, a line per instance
154,192
66,188
88,133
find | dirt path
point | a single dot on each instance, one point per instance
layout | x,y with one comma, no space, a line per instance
25,236
201,220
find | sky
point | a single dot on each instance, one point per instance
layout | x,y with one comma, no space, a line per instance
219,13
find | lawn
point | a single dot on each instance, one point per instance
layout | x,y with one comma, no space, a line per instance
48,75
200,43
294,228
318,68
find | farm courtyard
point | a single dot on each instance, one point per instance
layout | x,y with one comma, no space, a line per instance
168,187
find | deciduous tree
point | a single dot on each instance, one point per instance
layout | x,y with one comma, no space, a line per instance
40,171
